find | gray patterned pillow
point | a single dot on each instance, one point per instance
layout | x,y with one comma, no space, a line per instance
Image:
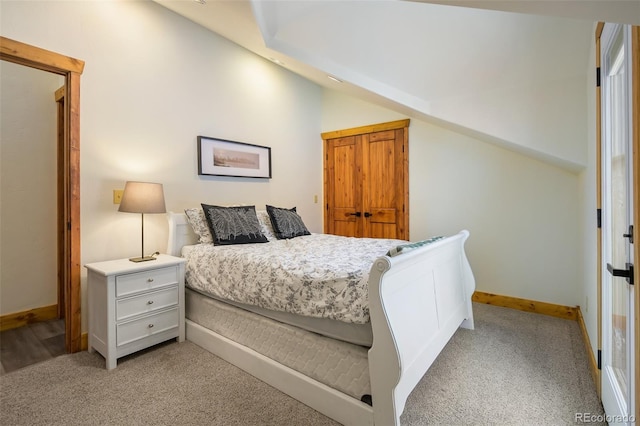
286,222
233,225
198,222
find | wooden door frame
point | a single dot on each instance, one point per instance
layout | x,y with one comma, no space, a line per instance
635,70
69,211
598,376
59,97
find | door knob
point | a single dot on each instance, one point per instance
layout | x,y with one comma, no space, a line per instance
625,273
357,214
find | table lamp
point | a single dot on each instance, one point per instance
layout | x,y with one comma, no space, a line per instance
142,197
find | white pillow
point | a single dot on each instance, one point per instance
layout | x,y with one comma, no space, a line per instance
265,225
198,222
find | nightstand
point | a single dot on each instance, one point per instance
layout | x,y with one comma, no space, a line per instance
134,305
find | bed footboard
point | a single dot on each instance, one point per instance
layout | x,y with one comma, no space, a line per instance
417,300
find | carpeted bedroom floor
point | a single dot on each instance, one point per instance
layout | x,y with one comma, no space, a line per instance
515,368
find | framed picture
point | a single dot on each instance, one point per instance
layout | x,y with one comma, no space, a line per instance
220,157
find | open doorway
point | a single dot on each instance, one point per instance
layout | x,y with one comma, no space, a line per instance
31,318
68,172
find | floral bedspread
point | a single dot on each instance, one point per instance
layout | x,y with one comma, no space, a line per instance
316,275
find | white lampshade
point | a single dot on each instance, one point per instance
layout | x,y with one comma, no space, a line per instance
142,197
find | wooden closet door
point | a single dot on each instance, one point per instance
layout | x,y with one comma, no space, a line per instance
342,186
366,181
383,184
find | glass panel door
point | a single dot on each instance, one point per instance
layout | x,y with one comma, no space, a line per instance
617,214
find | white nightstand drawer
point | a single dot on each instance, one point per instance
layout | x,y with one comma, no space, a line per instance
140,281
147,302
130,331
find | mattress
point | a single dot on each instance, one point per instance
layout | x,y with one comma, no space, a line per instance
335,363
358,334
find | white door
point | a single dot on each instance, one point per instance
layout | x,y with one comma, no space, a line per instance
618,393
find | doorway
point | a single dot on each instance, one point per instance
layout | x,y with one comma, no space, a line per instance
69,173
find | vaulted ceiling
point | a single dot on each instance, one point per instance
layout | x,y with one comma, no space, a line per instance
481,67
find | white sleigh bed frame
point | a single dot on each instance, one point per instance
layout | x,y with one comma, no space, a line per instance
417,301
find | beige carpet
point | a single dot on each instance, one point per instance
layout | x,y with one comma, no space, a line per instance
515,369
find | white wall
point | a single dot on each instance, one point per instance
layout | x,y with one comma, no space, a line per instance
152,83
28,155
521,213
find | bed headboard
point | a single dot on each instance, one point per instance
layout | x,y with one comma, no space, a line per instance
180,233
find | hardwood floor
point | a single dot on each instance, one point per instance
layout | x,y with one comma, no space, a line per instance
20,347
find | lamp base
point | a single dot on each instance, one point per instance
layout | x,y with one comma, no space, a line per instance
142,259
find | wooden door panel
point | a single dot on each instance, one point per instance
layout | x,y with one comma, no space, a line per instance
380,185
383,230
345,214
345,222
342,186
382,136
381,215
380,179
344,176
346,229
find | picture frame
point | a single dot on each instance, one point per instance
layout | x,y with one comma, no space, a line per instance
221,157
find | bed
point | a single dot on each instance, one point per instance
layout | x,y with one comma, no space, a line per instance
416,301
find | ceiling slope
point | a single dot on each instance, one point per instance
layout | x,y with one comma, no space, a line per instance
512,79
616,11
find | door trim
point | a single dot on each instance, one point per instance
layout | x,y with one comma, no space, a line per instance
71,69
599,28
371,128
60,184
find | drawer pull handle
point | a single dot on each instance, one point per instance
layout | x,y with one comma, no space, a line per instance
150,325
150,302
150,280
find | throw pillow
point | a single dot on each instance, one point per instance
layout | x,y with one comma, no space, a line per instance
233,225
286,222
404,248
